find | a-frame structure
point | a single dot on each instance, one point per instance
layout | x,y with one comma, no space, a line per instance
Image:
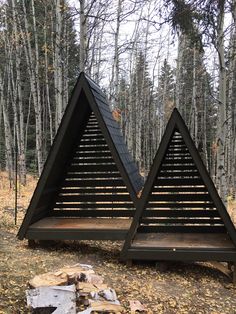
180,215
89,183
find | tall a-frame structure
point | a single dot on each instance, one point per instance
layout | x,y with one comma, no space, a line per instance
180,215
89,183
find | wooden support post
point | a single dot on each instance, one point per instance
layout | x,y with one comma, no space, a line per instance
234,274
31,243
129,262
230,265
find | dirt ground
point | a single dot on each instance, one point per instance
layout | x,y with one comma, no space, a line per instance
181,288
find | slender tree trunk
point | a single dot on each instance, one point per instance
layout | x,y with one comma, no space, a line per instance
221,174
82,36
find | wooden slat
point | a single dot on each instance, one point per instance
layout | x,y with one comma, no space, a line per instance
189,167
176,149
88,168
99,148
177,145
171,174
92,134
190,221
176,182
91,183
93,213
182,160
180,197
93,205
95,175
93,130
94,190
95,142
93,154
179,189
181,213
187,229
93,198
180,205
177,154
92,160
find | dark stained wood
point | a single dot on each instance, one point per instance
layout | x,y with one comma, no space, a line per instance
90,168
96,175
93,198
181,182
93,213
189,221
81,223
87,168
95,205
93,183
93,154
180,197
180,189
183,240
96,190
181,213
183,229
184,219
180,205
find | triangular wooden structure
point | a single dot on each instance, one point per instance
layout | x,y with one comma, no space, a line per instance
88,178
180,215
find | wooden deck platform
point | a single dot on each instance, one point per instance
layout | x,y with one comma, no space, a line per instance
57,228
183,240
182,246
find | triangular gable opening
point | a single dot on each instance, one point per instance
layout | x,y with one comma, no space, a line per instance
92,185
89,177
180,208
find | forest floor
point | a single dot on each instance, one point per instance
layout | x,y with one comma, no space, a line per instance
181,288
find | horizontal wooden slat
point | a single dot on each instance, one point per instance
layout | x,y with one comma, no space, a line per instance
180,197
180,189
97,148
177,149
98,160
93,129
172,174
101,205
90,135
95,153
178,145
176,182
93,198
91,142
180,205
181,213
94,190
91,183
189,167
92,125
177,154
88,168
190,221
187,229
178,161
95,175
93,213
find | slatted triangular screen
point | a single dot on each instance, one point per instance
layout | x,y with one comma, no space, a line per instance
179,201
93,186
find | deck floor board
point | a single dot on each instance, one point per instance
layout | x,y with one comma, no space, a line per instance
60,223
182,241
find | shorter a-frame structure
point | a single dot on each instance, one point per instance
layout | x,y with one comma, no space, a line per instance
180,215
89,183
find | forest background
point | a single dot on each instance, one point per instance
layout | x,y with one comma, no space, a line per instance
149,57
